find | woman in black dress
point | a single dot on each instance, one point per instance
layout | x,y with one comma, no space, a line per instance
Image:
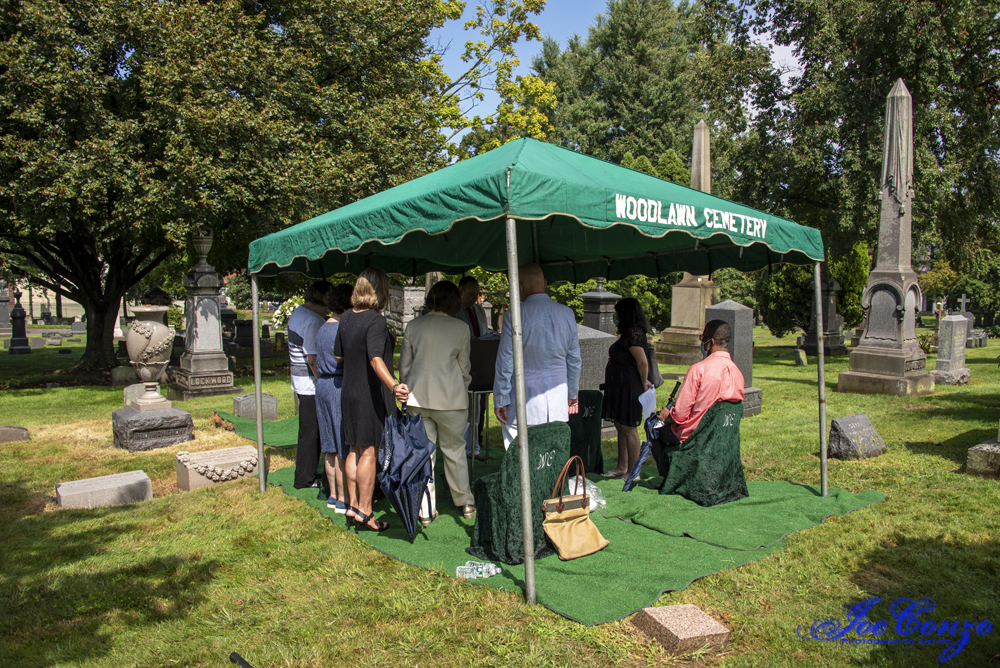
364,346
626,376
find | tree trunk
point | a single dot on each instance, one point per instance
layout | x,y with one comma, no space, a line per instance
100,351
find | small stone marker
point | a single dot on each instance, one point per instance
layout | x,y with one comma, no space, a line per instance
134,391
11,434
244,406
800,357
36,344
73,340
854,437
137,430
950,366
266,348
984,460
65,351
108,490
681,629
123,375
78,328
204,469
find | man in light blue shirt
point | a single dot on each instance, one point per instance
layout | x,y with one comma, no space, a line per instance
551,358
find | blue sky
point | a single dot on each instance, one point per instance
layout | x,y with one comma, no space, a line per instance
560,19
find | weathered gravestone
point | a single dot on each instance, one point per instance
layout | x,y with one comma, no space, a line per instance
123,375
682,629
594,345
134,391
108,490
244,406
5,328
136,430
984,460
204,469
73,340
37,344
833,340
800,357
65,351
854,437
12,434
950,367
78,328
599,308
740,321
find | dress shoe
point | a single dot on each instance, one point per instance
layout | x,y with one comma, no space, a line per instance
468,511
480,458
426,521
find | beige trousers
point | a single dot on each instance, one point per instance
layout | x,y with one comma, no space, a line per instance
447,429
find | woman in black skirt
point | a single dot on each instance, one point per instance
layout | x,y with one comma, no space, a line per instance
364,347
625,378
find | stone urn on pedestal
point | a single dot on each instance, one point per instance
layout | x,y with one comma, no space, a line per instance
149,343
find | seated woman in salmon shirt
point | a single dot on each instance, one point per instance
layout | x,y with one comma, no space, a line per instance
715,378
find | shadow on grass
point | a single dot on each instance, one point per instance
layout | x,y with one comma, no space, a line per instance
955,448
63,596
960,581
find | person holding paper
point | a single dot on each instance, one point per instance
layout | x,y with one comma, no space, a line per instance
626,376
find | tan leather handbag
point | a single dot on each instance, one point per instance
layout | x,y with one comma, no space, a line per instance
567,519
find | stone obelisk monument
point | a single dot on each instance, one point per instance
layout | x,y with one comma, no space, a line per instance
888,359
204,370
681,342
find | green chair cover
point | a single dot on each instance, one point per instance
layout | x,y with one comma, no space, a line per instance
586,429
706,468
498,534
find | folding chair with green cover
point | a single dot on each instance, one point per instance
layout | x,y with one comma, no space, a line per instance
586,428
498,534
706,468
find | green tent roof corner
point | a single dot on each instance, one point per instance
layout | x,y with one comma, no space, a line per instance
577,215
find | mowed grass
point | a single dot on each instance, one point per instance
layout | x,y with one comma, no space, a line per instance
190,577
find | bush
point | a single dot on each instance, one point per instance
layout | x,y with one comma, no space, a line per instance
175,316
924,341
280,318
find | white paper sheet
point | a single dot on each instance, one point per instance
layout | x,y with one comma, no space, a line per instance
648,401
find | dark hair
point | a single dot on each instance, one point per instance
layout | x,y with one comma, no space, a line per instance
630,315
317,293
339,299
718,331
465,280
444,296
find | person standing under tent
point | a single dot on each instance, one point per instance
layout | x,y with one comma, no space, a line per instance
552,362
473,315
434,365
625,378
303,325
328,391
364,346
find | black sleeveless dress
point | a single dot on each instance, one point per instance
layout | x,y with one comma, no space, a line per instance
622,385
365,401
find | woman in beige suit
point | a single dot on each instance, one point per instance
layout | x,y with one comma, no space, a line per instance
434,365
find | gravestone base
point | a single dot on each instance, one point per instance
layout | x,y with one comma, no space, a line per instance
984,460
108,490
834,345
681,629
136,430
956,377
753,399
857,382
854,437
213,467
192,385
679,345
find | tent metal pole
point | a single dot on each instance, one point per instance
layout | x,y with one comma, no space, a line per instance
821,373
522,413
257,400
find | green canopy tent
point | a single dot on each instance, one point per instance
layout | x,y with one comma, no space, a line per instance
575,215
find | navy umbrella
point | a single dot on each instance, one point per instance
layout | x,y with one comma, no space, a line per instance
405,462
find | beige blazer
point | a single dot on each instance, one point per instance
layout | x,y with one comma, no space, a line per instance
434,362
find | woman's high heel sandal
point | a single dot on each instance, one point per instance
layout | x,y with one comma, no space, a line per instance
362,523
351,521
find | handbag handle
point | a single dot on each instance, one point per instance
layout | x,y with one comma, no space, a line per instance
561,480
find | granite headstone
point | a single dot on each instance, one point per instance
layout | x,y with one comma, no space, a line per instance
12,434
212,467
740,321
854,437
109,490
950,367
136,430
245,406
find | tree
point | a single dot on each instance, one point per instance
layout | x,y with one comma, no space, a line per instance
814,153
127,128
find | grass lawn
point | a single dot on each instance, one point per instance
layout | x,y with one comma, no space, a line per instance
186,579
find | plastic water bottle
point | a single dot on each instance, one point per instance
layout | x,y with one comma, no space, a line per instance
467,572
476,569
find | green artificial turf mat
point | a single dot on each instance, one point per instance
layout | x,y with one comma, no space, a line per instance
639,564
773,510
277,434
